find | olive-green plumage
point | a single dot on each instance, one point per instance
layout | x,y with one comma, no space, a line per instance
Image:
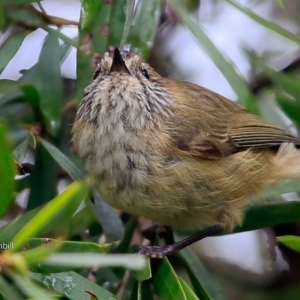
175,152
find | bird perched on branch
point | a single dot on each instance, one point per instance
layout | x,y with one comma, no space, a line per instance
174,152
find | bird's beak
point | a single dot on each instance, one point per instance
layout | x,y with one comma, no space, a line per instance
118,64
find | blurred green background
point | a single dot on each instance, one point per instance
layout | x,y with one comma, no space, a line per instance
55,243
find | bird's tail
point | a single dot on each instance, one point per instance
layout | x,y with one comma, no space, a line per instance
286,163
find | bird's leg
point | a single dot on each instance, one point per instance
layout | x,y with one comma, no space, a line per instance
160,252
162,231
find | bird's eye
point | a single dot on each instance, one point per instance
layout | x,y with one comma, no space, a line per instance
145,73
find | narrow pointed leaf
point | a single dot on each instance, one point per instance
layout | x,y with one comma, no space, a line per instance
8,290
10,48
128,22
102,24
267,24
237,83
84,260
8,232
46,77
290,106
143,31
268,215
190,295
108,218
290,241
7,172
285,82
63,160
20,151
56,33
280,3
61,207
204,284
30,288
73,286
283,188
68,246
143,274
167,284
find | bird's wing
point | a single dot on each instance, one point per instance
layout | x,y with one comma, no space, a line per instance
214,143
258,136
205,144
212,126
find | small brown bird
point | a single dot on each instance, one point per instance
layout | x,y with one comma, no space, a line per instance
175,152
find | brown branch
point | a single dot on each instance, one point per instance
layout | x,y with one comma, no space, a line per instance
123,285
44,17
48,19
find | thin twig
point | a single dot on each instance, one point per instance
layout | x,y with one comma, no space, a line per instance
123,285
51,20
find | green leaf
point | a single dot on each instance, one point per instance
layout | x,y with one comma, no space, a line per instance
267,24
89,9
17,2
204,284
73,286
7,172
288,186
139,291
290,241
144,274
29,288
56,33
190,295
3,21
290,106
237,83
43,178
130,228
10,48
61,207
62,160
83,260
108,218
7,85
69,227
46,77
117,22
38,254
287,83
37,250
128,22
268,215
31,96
280,3
270,110
8,290
40,249
83,219
144,291
20,152
105,24
101,25
67,246
143,31
25,16
166,283
8,232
